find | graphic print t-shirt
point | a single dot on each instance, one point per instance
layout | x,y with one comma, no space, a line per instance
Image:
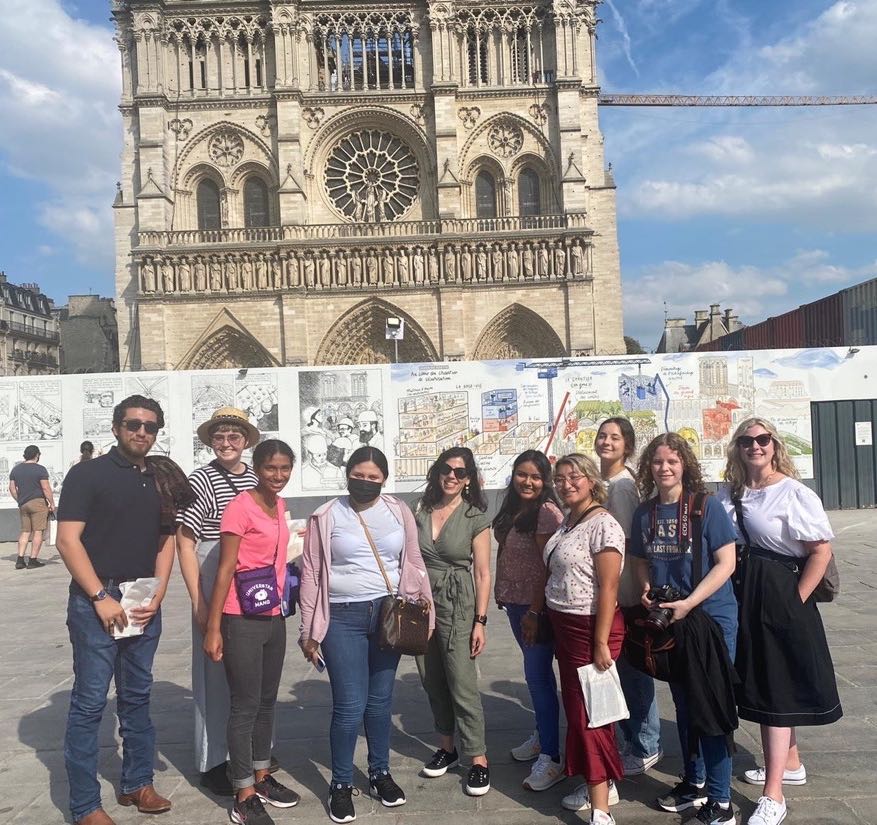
670,564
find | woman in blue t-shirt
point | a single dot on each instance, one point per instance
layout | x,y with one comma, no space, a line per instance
668,473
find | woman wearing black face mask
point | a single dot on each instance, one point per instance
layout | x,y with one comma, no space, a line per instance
341,591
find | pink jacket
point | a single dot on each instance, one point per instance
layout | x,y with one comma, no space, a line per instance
316,561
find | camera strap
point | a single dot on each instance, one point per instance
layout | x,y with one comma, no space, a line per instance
689,520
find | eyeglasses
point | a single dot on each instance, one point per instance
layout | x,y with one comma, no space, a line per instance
234,439
746,441
133,425
459,472
573,480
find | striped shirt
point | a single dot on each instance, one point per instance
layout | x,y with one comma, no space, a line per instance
215,488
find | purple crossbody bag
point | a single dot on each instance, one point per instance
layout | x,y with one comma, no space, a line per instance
257,589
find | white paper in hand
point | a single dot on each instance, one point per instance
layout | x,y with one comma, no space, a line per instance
604,699
137,593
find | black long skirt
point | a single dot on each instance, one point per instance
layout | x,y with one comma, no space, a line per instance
786,672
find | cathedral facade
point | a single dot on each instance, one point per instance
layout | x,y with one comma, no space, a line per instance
296,173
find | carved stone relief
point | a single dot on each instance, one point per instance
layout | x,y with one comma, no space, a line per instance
313,116
505,139
226,148
181,128
469,115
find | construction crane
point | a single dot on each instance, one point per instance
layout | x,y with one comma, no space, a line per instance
735,100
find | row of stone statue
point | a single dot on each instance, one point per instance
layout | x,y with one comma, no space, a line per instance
465,263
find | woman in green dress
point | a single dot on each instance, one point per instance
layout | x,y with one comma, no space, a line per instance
454,532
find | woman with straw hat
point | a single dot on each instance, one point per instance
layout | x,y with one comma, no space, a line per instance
228,432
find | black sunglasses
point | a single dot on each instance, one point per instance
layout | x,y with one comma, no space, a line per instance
133,425
459,472
746,441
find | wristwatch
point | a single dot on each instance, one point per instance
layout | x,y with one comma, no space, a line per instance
99,596
480,619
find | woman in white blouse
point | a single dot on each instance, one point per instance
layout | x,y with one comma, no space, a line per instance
782,654
583,561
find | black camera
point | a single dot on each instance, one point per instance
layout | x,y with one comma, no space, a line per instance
659,618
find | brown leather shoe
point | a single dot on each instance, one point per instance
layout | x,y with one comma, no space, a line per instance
98,817
147,801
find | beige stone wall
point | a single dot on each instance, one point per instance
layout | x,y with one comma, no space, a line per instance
284,127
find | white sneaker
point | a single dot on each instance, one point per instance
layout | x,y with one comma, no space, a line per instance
768,812
635,765
529,750
546,774
579,800
601,818
757,776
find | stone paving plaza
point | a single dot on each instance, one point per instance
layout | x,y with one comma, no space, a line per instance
35,679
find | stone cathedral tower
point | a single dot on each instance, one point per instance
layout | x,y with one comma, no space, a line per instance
294,172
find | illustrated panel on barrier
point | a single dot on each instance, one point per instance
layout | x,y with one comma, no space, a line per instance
414,411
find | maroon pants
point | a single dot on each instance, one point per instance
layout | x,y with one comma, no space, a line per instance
590,752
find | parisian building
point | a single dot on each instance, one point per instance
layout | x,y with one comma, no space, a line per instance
89,334
296,173
28,332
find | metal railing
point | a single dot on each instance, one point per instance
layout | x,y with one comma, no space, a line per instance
26,329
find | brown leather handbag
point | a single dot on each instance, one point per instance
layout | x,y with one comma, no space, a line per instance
403,625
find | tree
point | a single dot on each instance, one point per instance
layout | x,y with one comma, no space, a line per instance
634,347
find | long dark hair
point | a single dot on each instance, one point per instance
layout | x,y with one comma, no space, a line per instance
472,493
513,512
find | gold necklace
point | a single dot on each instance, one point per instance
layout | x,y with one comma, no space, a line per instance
764,483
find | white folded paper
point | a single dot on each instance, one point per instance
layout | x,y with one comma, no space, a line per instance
137,593
604,699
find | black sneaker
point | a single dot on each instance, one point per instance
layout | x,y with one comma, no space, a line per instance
272,792
32,563
714,814
478,780
250,811
441,762
682,797
20,563
385,789
216,780
341,803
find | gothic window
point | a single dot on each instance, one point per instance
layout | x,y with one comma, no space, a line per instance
520,58
371,176
529,201
485,195
256,207
208,205
476,49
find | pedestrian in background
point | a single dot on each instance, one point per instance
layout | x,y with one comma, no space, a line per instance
30,488
249,639
528,517
615,445
454,534
782,654
228,433
342,589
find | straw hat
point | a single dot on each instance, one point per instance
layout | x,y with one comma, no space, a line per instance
229,415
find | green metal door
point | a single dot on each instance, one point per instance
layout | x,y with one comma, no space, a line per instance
844,469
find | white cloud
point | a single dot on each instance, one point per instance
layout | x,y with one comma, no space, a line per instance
753,292
810,167
59,88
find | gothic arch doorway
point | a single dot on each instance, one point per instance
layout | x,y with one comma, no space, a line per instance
517,332
228,348
358,337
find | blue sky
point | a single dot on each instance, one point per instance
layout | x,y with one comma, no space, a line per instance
758,209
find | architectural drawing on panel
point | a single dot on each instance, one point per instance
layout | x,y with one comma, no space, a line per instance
209,393
256,394
39,411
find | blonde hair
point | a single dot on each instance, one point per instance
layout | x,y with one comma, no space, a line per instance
735,470
692,477
588,468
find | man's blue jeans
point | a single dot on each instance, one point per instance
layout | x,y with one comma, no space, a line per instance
642,731
713,764
541,682
362,676
98,658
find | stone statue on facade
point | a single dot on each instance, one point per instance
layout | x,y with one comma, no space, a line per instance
481,264
417,265
147,275
293,274
309,270
371,268
231,273
579,267
247,274
261,272
402,267
200,275
559,261
341,268
542,261
356,269
185,275
388,268
450,265
276,272
215,274
167,276
529,273
433,265
325,271
513,263
466,264
496,259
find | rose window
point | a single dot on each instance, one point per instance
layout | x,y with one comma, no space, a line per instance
371,176
226,148
505,139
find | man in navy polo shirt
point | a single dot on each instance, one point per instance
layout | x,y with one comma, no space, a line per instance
109,532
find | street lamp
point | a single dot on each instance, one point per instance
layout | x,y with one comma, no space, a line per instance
395,332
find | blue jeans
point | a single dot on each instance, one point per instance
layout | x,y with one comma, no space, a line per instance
98,658
362,676
642,731
539,674
713,764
